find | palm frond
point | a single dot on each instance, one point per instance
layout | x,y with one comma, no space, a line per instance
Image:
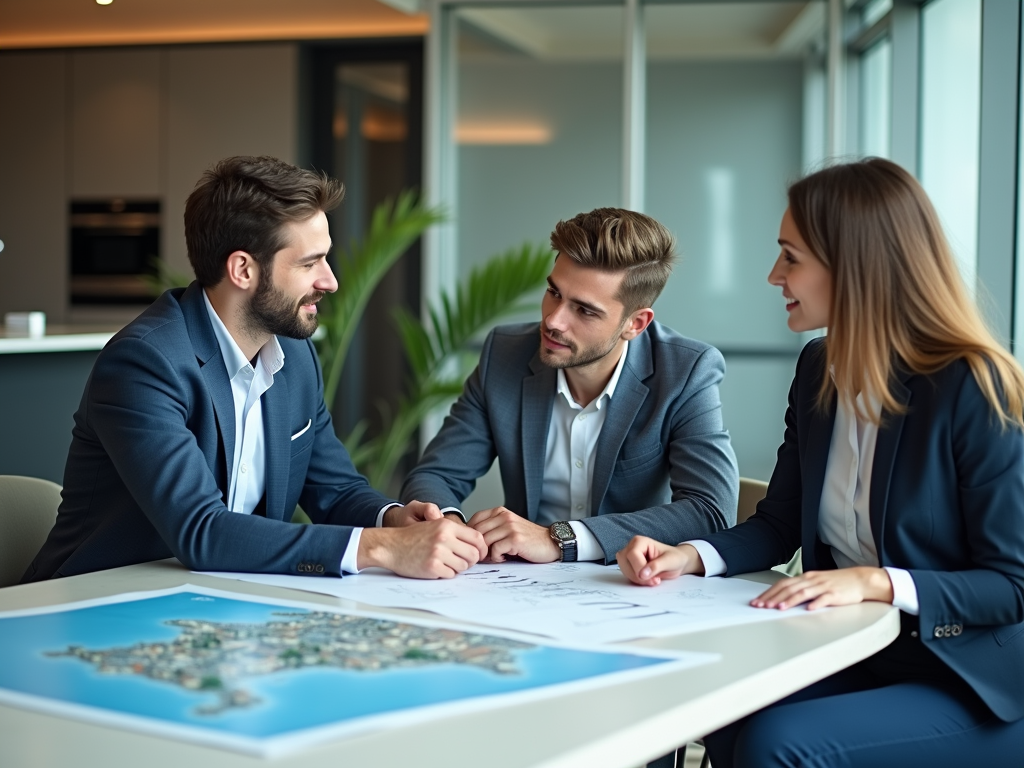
394,227
492,290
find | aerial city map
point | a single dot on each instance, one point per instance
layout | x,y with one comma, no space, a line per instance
217,657
267,677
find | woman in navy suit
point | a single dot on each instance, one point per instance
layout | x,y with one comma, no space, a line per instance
902,477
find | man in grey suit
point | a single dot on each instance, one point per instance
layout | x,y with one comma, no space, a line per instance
605,423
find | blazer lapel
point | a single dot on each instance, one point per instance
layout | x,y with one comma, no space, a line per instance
538,398
211,363
630,394
277,442
815,462
885,456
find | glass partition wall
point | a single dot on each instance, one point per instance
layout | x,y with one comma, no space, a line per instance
699,114
691,112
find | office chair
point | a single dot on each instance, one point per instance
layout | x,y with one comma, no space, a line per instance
28,508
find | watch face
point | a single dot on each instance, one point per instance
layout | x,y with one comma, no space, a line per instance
563,531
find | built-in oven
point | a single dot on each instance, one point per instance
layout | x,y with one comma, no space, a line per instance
115,248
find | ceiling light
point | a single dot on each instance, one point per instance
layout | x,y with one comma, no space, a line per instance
104,2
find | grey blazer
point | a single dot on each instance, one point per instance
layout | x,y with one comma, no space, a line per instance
664,466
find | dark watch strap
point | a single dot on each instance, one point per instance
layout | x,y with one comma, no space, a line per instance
568,551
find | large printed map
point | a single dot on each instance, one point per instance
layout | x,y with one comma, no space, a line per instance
265,676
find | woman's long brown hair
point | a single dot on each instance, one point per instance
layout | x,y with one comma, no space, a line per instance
898,298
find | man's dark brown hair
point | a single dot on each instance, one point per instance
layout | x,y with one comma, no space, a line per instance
617,240
242,204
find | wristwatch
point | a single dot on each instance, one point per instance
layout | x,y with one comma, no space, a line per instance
565,538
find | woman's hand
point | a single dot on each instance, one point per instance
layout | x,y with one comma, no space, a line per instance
646,562
844,586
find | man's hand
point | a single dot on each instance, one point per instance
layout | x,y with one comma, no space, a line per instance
413,512
436,549
844,586
506,533
646,562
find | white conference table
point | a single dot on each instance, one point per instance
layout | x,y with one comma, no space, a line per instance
624,726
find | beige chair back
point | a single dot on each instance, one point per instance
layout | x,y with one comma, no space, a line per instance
751,492
28,508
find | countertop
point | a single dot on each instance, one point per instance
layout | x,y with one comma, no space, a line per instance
58,338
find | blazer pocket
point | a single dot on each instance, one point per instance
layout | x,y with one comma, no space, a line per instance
302,431
639,463
1008,633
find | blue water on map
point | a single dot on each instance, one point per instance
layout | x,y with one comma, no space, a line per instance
291,700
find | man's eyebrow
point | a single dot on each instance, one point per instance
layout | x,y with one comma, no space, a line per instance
585,304
314,257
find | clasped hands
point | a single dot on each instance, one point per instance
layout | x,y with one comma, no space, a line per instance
418,541
646,562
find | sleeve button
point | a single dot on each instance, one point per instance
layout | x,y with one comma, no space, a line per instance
319,568
957,629
938,631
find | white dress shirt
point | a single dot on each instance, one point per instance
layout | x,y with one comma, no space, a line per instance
570,454
247,478
844,516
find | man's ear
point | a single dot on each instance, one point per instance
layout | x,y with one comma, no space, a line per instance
638,323
242,270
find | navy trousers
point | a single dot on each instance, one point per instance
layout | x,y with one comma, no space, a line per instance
900,708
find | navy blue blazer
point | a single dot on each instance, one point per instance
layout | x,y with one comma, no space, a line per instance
947,504
149,464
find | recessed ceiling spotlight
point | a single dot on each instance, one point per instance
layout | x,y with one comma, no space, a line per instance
104,2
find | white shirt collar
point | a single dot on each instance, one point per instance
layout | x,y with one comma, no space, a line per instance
235,360
562,387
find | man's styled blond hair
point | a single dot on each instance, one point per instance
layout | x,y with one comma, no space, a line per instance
617,240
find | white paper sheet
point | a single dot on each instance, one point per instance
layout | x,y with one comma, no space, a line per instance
572,602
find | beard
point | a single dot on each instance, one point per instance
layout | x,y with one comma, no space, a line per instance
272,311
577,357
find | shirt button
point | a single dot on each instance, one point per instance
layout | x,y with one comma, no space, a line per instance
579,464
243,469
583,417
579,506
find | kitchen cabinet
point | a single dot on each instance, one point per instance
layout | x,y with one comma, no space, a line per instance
33,183
116,127
132,122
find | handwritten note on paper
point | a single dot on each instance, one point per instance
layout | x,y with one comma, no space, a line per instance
572,602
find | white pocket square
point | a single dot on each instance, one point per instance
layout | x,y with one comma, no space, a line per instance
302,431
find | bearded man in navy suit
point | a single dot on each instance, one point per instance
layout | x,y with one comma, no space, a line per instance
203,422
604,422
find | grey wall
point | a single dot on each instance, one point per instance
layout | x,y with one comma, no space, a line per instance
723,140
511,194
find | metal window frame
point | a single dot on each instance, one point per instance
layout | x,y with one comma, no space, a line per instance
999,171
